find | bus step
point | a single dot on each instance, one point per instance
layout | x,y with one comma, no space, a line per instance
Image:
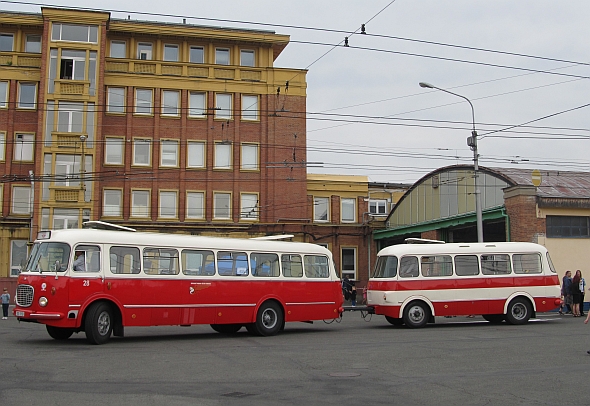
358,309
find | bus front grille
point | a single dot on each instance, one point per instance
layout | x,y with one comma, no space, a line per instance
24,295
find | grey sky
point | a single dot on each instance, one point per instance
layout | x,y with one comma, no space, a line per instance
379,86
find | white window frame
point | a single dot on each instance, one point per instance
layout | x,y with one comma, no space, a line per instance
118,42
352,274
170,47
108,208
250,154
26,104
200,110
91,33
196,154
222,156
170,103
2,146
318,203
30,39
3,94
24,147
377,204
220,56
222,209
118,104
21,205
114,146
250,107
145,51
138,209
69,218
249,206
195,212
223,106
350,202
70,117
167,147
248,52
144,105
142,142
203,54
168,212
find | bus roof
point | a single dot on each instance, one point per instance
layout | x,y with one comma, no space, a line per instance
461,248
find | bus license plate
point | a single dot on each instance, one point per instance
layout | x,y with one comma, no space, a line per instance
20,314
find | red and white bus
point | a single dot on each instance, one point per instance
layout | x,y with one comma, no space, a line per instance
147,279
413,283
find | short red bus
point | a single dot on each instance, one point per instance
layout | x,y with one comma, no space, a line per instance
511,281
100,281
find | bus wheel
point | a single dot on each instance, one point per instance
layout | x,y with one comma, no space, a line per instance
416,315
519,311
99,323
494,318
269,319
59,333
394,321
226,328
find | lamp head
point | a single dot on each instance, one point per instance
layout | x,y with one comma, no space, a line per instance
427,85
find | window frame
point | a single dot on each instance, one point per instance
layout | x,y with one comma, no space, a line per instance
142,47
4,94
223,112
2,147
109,144
248,113
252,212
166,110
317,201
27,42
354,211
216,209
118,42
26,147
26,105
15,208
350,272
202,48
169,142
226,51
111,93
218,147
138,109
250,165
146,141
190,144
170,193
251,52
171,46
114,192
193,109
137,211
6,35
201,215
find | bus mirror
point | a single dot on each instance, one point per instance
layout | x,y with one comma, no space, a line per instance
57,266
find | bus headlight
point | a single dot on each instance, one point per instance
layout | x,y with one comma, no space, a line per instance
43,301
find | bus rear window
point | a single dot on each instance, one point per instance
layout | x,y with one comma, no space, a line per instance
527,263
316,266
386,267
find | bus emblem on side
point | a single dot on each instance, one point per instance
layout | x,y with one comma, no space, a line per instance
191,290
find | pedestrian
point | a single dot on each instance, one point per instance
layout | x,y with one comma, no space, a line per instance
566,291
576,295
352,293
582,290
5,304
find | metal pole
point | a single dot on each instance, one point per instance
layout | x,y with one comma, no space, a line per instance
472,143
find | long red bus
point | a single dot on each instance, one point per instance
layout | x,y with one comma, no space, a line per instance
505,281
101,281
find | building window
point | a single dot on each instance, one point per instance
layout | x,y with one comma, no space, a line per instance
249,206
196,154
568,226
21,196
33,44
196,104
249,157
168,205
223,106
222,158
171,52
222,56
169,153
144,51
221,206
118,49
70,116
6,42
170,102
18,256
112,202
23,147
27,95
249,108
3,94
65,219
320,209
67,169
74,33
348,210
378,206
140,203
143,101
72,65
113,151
2,148
142,151
247,57
349,263
116,100
195,205
197,55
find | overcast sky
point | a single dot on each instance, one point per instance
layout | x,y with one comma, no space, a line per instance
366,113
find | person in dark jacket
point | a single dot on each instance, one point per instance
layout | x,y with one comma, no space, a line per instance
566,290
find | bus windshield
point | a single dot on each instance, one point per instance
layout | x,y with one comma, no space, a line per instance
45,256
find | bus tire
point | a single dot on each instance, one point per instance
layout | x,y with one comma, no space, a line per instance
269,319
394,321
59,333
98,324
494,318
226,328
416,314
519,311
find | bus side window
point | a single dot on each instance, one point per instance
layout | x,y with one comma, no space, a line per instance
198,262
232,263
316,266
466,265
527,263
292,266
408,267
495,264
91,257
160,261
438,265
124,260
264,264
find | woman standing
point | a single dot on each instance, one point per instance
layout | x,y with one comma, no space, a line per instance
582,294
576,295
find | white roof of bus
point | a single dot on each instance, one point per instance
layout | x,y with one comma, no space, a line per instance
461,248
93,236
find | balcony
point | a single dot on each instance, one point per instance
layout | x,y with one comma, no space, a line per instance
187,70
21,60
67,140
72,87
66,194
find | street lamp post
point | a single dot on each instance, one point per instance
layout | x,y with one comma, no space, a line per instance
472,143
